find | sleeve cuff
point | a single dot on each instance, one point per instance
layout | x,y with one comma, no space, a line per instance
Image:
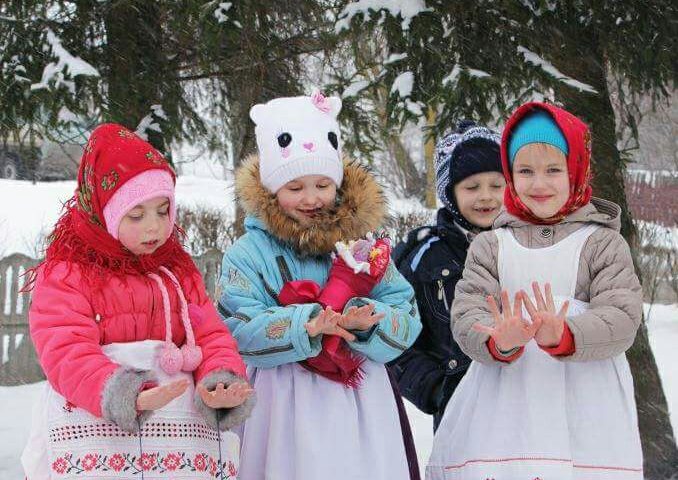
566,346
307,346
504,357
223,418
119,397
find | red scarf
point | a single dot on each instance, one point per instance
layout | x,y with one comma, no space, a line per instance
578,163
335,361
113,155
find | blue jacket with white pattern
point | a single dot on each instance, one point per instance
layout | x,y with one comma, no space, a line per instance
257,265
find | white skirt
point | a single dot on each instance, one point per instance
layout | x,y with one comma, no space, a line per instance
540,418
306,427
68,442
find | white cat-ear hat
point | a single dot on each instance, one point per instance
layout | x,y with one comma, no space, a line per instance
298,136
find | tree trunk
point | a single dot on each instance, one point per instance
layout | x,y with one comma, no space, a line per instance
585,61
429,161
135,64
243,143
412,182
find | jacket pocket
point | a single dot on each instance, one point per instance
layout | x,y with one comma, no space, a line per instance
439,294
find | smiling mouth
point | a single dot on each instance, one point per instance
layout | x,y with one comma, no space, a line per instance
541,198
151,243
310,213
485,210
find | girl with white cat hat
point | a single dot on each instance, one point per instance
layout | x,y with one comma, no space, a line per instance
315,332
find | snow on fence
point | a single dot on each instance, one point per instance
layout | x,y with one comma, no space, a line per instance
19,364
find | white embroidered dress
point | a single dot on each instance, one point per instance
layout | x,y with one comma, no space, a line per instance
68,442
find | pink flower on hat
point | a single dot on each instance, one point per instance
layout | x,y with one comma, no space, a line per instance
321,102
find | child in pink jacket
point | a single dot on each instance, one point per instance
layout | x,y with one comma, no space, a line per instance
143,376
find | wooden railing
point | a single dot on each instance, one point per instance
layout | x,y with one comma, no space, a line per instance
18,362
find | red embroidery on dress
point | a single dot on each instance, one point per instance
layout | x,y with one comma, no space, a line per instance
201,462
601,467
150,429
503,460
541,459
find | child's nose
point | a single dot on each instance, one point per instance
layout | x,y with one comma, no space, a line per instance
309,146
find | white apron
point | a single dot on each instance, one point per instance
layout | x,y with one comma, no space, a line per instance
306,427
68,442
541,418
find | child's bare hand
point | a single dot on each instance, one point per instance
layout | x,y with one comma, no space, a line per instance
327,322
552,322
360,318
157,397
510,329
221,397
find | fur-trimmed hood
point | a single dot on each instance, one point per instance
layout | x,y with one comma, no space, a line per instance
360,208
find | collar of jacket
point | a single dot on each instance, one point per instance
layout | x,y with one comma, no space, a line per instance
598,211
449,231
360,208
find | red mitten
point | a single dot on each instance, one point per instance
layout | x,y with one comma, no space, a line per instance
343,283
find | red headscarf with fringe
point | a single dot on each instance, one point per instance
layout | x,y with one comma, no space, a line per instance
578,139
113,155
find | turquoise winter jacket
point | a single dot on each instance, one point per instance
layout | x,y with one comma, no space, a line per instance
258,264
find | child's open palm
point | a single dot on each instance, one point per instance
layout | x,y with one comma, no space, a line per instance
157,397
552,322
327,322
232,396
510,329
360,318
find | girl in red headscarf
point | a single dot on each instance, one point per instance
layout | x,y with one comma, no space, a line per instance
549,393
142,375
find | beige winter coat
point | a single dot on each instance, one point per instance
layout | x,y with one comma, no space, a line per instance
606,279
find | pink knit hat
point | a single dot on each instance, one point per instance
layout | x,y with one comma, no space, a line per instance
144,186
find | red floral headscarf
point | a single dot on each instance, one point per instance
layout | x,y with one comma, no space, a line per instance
113,155
578,163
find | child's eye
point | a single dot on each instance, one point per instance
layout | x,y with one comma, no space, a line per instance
135,218
555,170
525,171
164,213
294,189
323,185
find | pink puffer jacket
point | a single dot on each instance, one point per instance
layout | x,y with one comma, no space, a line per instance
69,323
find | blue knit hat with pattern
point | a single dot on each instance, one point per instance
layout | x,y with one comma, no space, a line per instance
470,149
538,127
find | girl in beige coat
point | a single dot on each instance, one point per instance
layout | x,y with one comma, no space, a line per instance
549,394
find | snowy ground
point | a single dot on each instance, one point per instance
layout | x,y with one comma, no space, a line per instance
17,401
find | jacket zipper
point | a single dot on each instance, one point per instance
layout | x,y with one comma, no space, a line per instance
441,294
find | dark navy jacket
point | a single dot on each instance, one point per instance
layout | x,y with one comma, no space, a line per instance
432,260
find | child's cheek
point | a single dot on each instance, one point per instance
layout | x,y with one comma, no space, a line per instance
129,235
287,202
519,185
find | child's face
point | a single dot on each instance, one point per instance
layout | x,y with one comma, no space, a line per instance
146,226
305,197
479,197
540,179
